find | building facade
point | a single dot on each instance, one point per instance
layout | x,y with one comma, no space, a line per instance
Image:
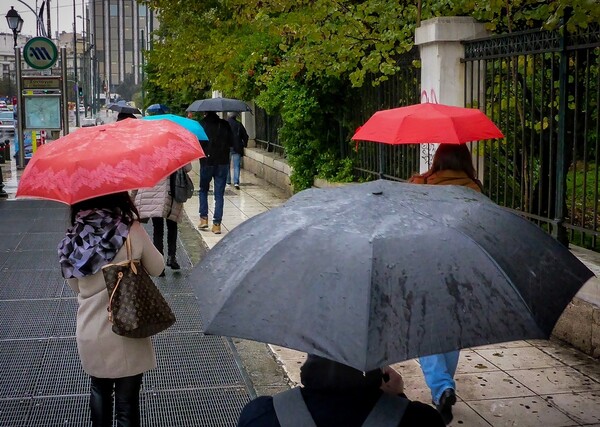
119,31
8,71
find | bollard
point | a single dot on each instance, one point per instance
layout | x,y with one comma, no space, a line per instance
3,194
2,157
7,150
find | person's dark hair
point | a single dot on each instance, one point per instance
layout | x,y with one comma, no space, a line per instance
318,373
456,157
119,203
123,116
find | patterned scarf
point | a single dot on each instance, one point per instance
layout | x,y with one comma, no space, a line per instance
91,243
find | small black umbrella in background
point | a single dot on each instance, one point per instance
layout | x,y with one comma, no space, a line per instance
376,273
218,105
122,107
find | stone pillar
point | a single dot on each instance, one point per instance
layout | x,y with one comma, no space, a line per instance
249,122
442,73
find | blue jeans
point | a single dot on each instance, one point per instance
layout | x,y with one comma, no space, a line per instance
439,370
207,173
237,161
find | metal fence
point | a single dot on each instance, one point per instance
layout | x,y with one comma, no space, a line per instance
542,88
371,160
395,162
267,131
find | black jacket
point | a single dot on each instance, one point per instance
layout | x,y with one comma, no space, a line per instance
240,136
337,399
220,140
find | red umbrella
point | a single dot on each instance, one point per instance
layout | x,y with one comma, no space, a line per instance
428,123
107,159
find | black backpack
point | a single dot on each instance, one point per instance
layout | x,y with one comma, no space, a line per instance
182,187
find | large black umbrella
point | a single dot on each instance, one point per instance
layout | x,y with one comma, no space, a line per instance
123,107
218,104
377,273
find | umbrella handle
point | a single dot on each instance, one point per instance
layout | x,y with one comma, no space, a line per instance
434,99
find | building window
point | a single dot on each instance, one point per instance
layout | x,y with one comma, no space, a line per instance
114,10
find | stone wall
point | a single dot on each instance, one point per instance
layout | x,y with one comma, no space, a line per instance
269,166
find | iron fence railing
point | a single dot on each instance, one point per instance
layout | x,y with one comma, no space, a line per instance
542,88
267,131
371,160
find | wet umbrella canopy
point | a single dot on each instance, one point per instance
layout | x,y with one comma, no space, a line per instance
123,107
218,104
381,272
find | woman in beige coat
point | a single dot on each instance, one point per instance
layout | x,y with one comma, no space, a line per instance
97,237
156,203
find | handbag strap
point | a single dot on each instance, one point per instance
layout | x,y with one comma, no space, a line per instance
119,277
129,257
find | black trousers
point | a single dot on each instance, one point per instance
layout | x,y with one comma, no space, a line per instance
127,401
158,225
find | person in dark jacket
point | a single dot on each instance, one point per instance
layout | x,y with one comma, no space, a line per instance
214,166
338,395
240,140
123,116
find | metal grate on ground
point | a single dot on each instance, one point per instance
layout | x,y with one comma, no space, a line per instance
20,365
185,408
61,372
22,319
14,412
41,242
175,282
198,381
186,312
66,318
59,411
35,284
10,241
215,367
32,260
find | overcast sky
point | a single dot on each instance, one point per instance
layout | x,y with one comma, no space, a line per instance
61,11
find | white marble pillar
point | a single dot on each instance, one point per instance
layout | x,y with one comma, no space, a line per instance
442,73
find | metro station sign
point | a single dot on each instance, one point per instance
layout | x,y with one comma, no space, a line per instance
40,53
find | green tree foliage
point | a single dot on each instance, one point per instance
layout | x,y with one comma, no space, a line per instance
298,58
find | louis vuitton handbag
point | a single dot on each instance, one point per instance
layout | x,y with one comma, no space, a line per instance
136,308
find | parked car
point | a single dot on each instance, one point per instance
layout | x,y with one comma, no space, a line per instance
7,122
91,121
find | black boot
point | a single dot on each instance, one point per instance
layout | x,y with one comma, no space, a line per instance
172,262
447,400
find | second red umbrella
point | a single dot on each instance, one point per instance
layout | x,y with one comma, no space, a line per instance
427,123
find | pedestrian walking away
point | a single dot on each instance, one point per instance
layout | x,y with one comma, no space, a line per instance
115,364
158,204
214,167
334,394
240,141
452,165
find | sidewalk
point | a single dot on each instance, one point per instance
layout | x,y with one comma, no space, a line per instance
522,383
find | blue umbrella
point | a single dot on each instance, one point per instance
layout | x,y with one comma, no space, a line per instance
157,109
191,125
